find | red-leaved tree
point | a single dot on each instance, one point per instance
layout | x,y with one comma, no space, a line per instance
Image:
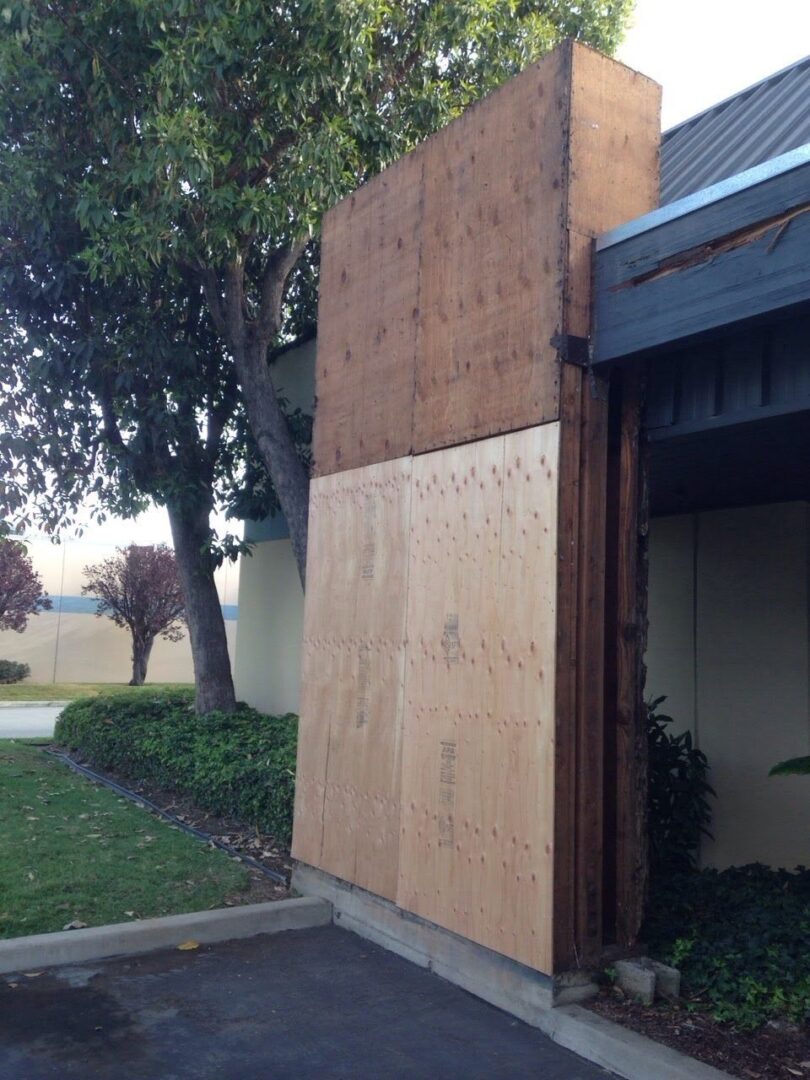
21,592
139,589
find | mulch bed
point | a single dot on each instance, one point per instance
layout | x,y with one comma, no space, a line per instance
241,837
766,1054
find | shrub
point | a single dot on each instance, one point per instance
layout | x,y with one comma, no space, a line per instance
241,764
678,810
740,937
11,671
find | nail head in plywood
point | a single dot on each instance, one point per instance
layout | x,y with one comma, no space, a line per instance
347,794
476,850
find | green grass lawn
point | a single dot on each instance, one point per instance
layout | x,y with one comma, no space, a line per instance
30,691
72,851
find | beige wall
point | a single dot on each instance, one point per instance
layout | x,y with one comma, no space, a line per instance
267,665
73,647
271,626
729,608
83,648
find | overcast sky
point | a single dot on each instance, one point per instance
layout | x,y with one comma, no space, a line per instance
701,51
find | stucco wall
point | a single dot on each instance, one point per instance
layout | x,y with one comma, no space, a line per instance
729,607
271,626
267,666
73,645
82,648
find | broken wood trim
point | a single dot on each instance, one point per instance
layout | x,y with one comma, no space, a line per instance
715,267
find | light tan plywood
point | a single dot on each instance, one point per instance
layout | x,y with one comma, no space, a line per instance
367,321
476,847
348,777
493,262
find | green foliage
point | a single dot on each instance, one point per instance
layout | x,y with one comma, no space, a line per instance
741,938
240,763
679,813
797,766
71,850
12,672
157,151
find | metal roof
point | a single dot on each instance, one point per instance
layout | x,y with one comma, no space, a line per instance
755,125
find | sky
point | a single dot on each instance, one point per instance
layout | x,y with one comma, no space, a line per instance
701,51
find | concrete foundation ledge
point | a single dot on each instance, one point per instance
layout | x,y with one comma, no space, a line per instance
146,935
620,1050
529,995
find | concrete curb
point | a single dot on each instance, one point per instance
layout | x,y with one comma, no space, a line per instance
621,1051
33,704
127,939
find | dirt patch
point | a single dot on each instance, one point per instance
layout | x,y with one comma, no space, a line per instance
244,839
766,1054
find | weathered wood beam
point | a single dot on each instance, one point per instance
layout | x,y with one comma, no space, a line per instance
714,259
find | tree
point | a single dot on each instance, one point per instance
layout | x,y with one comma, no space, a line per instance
21,592
209,138
139,589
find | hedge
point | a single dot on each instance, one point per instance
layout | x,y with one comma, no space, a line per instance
240,764
12,672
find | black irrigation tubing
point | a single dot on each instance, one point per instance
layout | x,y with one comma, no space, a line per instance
274,875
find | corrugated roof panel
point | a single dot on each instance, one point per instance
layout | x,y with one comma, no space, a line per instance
759,123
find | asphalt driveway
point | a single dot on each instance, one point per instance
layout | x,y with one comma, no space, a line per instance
308,1003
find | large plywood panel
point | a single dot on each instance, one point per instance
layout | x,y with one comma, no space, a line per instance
476,847
614,144
493,262
367,321
348,777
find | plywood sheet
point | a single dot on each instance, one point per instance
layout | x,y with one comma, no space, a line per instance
614,143
367,321
348,777
476,848
492,266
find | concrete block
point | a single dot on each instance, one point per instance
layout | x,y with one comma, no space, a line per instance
667,980
637,979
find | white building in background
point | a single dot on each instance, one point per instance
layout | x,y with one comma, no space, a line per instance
70,644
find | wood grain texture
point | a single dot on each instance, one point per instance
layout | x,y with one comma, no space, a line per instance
442,279
615,132
367,322
631,618
493,262
477,791
348,776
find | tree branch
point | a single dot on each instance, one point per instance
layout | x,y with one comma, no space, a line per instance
276,271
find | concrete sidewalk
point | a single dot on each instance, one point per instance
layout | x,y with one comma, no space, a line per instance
319,1003
28,721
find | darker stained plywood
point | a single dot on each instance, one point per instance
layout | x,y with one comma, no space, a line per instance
493,263
367,322
445,278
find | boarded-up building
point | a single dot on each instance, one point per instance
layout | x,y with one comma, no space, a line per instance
471,678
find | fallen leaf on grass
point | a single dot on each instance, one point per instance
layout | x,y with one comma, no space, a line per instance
77,924
188,945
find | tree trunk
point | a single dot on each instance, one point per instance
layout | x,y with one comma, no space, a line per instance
276,446
141,651
191,532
